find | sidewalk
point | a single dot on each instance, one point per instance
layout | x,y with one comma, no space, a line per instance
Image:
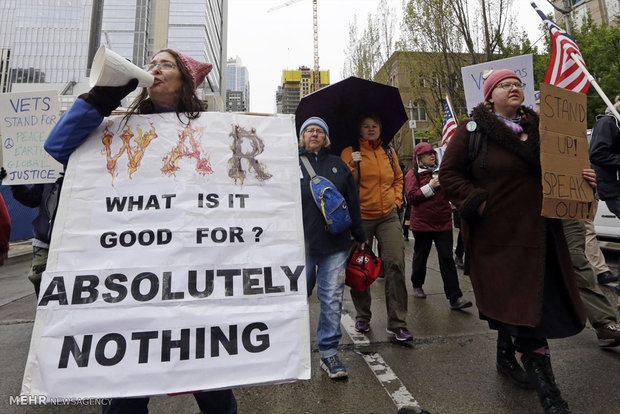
18,248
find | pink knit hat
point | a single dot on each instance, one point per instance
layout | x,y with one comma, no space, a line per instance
197,70
493,77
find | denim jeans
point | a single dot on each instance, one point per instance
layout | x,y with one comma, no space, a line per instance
327,272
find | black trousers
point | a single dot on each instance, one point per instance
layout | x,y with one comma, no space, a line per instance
422,248
460,247
209,402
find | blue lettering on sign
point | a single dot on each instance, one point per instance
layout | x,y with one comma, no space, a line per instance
21,121
478,81
32,175
31,104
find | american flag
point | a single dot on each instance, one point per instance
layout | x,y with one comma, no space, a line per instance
449,123
562,70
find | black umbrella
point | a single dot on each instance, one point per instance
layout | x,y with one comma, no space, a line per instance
342,104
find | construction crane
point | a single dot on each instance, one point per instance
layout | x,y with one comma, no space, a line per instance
317,72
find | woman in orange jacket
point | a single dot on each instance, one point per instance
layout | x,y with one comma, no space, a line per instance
380,182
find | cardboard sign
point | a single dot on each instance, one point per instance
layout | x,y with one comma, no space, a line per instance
473,82
564,154
177,261
27,119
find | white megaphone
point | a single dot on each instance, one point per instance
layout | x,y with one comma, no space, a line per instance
111,69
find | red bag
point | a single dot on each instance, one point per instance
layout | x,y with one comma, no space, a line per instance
363,268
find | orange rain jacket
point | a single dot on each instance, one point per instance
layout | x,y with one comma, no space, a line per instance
381,187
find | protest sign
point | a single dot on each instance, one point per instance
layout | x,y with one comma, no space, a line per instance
177,261
564,154
473,82
27,119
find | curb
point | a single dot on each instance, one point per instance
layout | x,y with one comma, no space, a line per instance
19,250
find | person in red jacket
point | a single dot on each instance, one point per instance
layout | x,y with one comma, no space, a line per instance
431,221
5,231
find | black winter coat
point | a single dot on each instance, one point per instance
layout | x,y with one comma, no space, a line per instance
44,196
605,156
318,240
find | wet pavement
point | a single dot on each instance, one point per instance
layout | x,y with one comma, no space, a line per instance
449,367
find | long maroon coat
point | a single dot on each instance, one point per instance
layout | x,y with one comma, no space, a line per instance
427,214
509,262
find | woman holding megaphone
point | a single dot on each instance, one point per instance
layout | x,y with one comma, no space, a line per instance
176,77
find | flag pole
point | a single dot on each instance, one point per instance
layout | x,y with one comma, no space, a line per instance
451,109
593,82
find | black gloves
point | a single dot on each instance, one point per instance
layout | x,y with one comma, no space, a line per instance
105,99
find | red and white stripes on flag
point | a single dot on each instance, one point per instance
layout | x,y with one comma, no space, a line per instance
562,70
449,123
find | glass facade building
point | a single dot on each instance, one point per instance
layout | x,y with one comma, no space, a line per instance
237,80
43,42
125,27
52,41
198,28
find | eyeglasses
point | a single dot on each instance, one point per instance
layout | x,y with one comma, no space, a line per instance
162,66
508,85
312,131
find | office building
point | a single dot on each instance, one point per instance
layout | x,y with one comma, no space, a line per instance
237,86
53,42
601,11
43,42
295,85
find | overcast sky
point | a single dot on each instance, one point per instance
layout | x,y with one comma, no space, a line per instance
267,43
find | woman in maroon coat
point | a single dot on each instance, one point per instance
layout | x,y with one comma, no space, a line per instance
520,266
431,221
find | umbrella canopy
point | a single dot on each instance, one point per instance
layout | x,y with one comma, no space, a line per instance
343,103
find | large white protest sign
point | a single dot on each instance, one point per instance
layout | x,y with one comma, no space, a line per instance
27,119
473,82
176,263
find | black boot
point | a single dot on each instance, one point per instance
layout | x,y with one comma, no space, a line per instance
538,367
507,363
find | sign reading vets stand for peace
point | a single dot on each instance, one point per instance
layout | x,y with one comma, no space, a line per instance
176,263
563,154
27,119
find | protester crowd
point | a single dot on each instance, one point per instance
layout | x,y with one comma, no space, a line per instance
531,275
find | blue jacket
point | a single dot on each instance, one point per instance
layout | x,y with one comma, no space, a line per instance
71,130
318,240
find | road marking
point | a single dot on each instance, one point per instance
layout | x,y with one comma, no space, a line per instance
358,338
390,382
384,374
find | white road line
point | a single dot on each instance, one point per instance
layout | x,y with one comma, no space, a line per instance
359,339
388,379
390,382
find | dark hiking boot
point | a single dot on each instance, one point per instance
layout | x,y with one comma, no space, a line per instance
507,363
539,369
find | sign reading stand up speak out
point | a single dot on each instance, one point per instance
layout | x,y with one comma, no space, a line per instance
564,154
